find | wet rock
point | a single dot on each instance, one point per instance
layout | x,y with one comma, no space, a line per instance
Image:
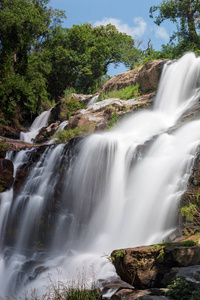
114,284
6,174
12,132
149,294
96,117
190,274
145,267
82,98
55,113
147,76
46,132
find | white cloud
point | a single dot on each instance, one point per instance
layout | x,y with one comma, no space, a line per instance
161,32
135,32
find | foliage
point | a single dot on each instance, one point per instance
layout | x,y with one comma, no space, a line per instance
80,56
185,14
182,290
188,212
64,136
131,91
71,106
161,254
3,145
67,291
114,119
118,253
188,243
24,24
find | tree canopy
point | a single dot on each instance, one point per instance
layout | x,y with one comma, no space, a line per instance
186,15
81,55
39,58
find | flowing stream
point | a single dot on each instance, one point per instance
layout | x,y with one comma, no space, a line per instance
109,191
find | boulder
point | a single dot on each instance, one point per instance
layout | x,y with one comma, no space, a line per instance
46,132
190,274
146,267
6,174
147,76
97,116
150,294
82,98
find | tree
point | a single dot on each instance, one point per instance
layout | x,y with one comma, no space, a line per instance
81,55
185,14
24,25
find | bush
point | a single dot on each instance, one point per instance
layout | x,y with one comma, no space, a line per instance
114,119
182,290
129,92
64,136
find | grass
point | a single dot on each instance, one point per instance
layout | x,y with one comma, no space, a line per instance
129,92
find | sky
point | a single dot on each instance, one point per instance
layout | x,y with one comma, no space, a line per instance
129,16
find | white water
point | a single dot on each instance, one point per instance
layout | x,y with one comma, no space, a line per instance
38,123
121,191
93,100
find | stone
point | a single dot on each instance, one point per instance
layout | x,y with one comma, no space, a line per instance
147,266
190,274
46,132
147,76
82,98
6,174
96,117
55,113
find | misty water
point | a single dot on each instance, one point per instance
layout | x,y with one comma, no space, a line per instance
118,189
38,123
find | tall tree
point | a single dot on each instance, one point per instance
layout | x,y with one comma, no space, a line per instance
24,25
185,14
81,55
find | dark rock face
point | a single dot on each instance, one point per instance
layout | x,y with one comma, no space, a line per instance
146,267
191,274
6,174
55,113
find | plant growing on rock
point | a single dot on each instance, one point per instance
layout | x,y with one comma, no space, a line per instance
64,136
181,290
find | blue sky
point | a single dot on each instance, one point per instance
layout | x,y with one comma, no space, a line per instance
129,16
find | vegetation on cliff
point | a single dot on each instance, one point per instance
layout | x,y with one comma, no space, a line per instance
39,59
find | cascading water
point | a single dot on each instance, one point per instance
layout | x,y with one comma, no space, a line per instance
38,123
112,190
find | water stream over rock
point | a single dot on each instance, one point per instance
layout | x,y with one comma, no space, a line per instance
117,189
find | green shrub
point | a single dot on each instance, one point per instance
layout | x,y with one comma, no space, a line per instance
117,253
180,289
129,92
64,136
114,119
188,212
188,243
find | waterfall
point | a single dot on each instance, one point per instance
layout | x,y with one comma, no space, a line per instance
111,190
38,123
